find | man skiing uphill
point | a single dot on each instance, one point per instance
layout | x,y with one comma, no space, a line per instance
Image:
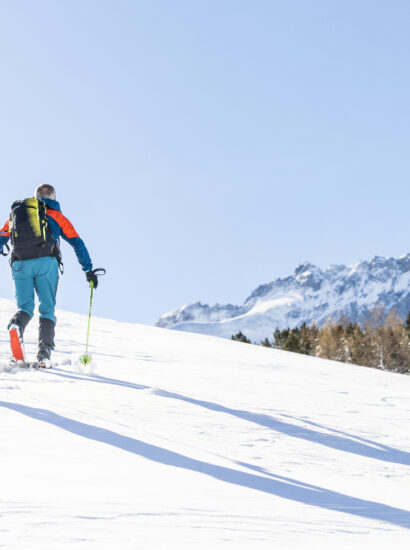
34,228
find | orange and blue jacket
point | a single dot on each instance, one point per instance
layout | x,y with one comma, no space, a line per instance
59,226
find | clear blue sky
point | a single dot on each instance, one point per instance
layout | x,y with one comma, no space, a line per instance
202,148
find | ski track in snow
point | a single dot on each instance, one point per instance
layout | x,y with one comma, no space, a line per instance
176,439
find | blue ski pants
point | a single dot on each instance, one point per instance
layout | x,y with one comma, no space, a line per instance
39,275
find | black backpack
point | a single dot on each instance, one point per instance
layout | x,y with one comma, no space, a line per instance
29,231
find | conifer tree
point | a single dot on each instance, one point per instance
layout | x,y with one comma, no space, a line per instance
395,343
240,337
279,337
308,339
408,323
292,342
357,343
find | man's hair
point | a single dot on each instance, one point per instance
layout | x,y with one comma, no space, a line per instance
45,191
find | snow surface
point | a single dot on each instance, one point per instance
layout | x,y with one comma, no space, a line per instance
179,440
309,295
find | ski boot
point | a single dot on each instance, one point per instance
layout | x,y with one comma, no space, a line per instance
46,343
44,357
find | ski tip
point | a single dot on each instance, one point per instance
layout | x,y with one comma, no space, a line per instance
15,344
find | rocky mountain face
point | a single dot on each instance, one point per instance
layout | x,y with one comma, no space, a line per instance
310,295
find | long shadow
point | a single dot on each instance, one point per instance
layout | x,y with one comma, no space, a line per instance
317,425
282,487
343,442
367,449
97,378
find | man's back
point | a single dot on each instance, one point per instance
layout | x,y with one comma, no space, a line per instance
35,227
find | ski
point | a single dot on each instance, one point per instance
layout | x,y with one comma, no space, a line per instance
36,365
31,365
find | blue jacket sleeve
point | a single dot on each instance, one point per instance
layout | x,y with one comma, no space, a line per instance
80,251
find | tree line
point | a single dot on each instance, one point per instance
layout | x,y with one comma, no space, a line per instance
381,340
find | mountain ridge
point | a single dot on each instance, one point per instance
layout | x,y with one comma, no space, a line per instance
310,294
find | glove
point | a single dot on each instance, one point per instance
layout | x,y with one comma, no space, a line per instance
92,278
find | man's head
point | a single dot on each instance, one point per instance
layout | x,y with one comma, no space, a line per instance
45,191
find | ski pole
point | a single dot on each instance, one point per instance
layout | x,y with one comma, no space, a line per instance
89,316
86,359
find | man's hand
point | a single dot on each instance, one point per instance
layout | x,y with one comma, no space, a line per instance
92,276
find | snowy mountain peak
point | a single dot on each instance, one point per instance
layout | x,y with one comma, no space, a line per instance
310,295
309,275
304,267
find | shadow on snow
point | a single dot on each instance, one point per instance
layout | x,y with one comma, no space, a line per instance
274,485
343,442
346,443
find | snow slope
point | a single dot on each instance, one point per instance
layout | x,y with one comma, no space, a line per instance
310,295
180,440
